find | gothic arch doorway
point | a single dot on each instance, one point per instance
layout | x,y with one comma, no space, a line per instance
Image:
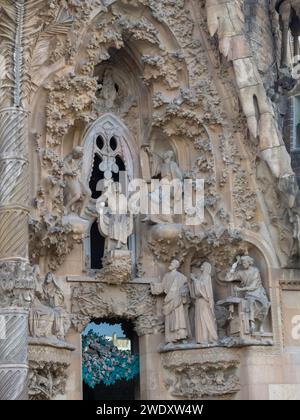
110,360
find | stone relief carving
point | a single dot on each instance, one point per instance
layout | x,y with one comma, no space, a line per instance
208,380
76,194
167,168
63,108
98,300
48,319
179,111
17,283
205,374
46,380
56,225
47,371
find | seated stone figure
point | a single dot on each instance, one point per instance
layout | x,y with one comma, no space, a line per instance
251,290
48,317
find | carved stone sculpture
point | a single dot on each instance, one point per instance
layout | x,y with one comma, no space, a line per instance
174,285
114,221
47,315
290,194
198,374
202,294
170,174
251,292
76,194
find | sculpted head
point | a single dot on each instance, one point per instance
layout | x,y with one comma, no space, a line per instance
49,278
77,152
175,264
169,155
206,268
247,261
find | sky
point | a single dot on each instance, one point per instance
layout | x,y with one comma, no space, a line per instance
105,329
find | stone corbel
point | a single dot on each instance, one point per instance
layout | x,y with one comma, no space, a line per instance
194,374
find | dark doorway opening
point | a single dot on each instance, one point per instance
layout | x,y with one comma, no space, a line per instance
120,335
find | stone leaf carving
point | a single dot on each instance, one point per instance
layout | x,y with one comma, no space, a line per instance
53,229
193,374
207,380
98,300
117,267
70,98
53,237
47,371
46,380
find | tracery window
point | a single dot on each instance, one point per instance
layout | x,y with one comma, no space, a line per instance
108,164
107,156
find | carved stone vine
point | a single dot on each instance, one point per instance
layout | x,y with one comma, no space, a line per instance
197,374
70,99
97,300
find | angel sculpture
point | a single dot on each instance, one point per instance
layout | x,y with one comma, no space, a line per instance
115,222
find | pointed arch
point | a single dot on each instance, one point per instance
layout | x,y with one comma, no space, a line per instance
110,127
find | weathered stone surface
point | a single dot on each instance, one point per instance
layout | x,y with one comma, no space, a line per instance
120,90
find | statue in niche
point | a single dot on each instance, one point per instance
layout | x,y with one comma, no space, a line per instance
202,295
175,287
76,194
115,221
108,92
167,170
251,290
48,317
290,193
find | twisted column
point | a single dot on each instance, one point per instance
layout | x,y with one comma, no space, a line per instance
16,276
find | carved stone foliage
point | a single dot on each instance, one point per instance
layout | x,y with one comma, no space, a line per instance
70,99
54,225
196,374
46,380
132,301
117,267
284,222
47,372
176,241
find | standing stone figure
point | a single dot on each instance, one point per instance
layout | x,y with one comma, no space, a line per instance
175,286
115,221
252,288
202,294
170,174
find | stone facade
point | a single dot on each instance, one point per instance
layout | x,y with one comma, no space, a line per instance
171,91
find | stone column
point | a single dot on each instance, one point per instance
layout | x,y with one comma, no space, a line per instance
14,267
16,277
285,14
